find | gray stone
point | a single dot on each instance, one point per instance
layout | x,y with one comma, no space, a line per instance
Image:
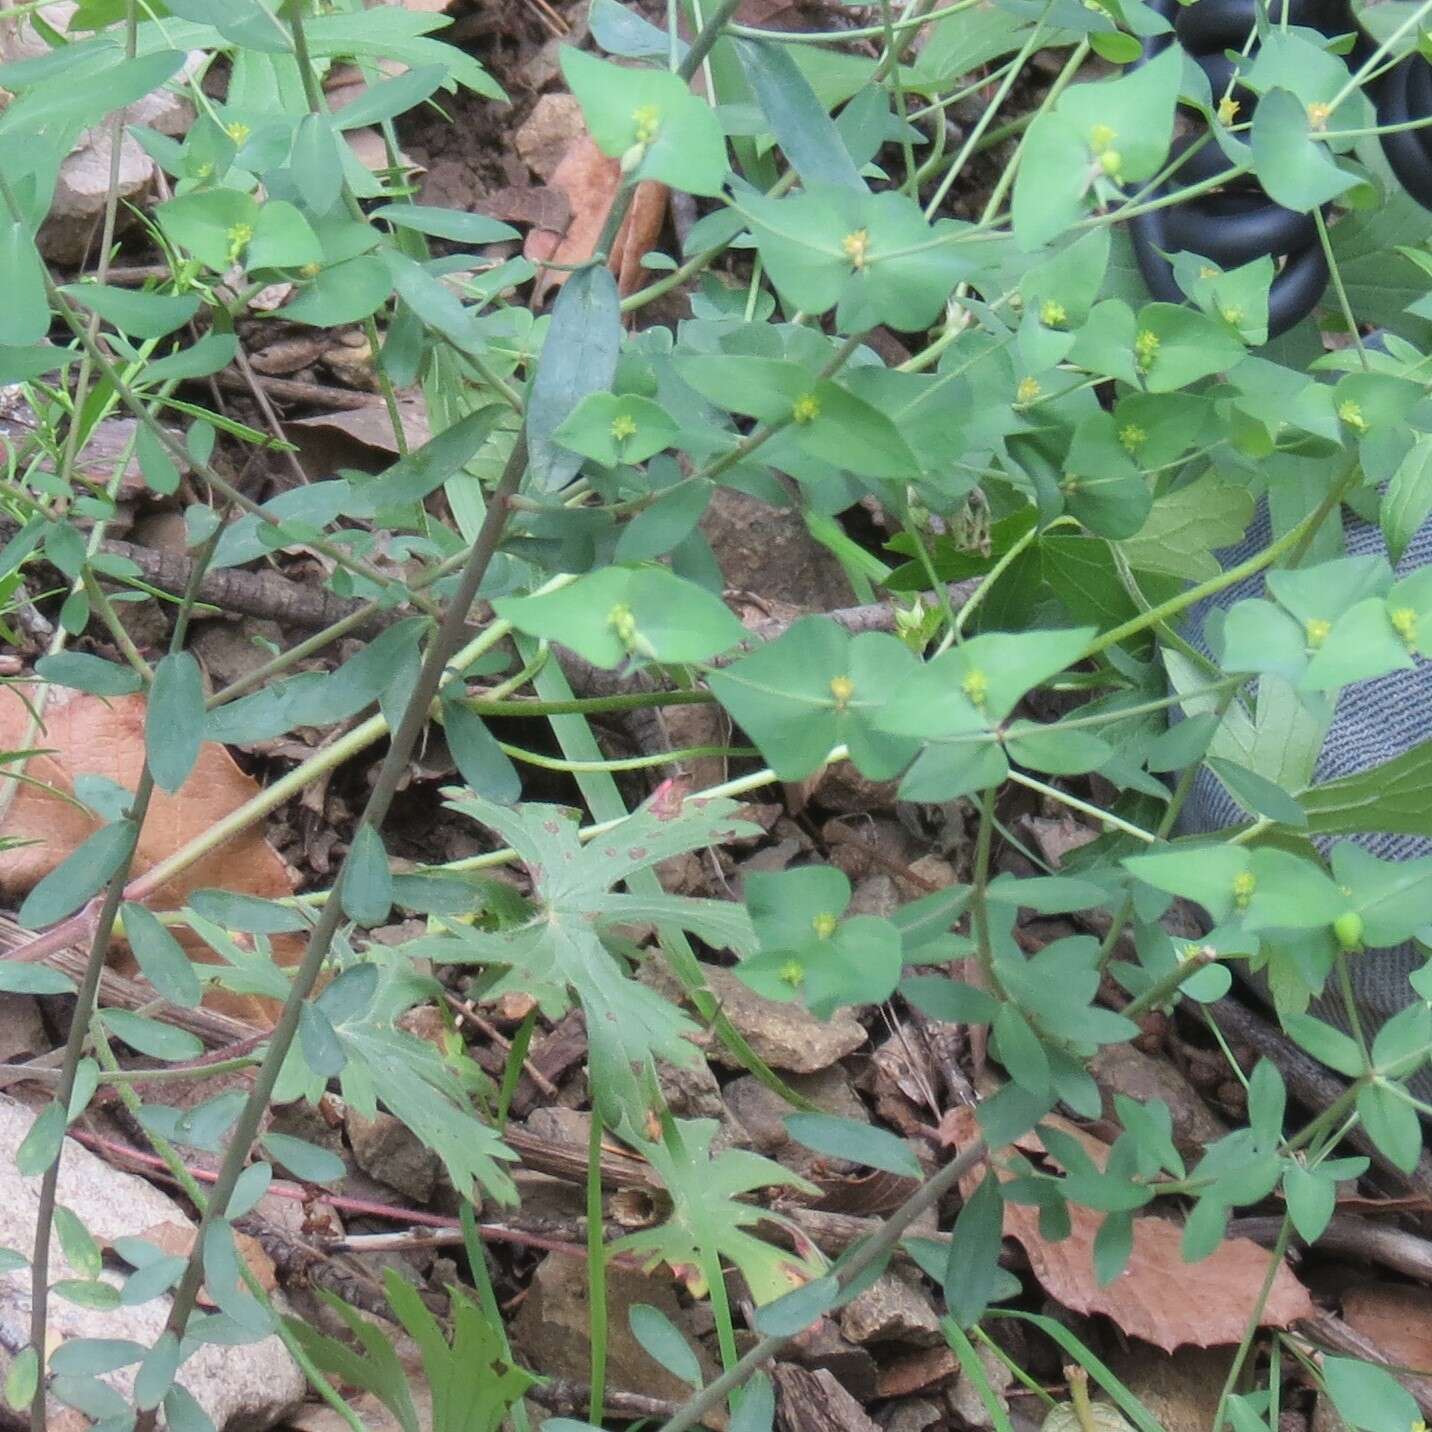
762,1113
241,1389
389,1151
892,1309
552,1330
786,1036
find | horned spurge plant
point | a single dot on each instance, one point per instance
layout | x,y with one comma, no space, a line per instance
862,329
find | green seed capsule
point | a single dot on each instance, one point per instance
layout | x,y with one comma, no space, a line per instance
1348,928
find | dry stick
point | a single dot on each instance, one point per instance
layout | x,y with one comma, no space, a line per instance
80,1021
883,1243
444,643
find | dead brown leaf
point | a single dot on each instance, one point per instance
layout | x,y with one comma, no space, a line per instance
88,735
1158,1297
1397,1317
177,1241
589,180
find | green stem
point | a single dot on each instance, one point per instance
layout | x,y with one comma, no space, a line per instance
869,1254
440,651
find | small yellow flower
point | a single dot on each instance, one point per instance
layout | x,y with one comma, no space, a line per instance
856,247
842,688
1232,314
824,925
309,270
1052,314
1207,271
806,408
1244,884
1111,162
1404,623
1027,391
622,620
1132,436
1351,413
976,687
1228,108
237,131
1318,114
792,973
1101,137
1317,629
1146,347
623,427
648,123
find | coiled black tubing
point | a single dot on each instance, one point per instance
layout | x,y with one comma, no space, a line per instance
1239,223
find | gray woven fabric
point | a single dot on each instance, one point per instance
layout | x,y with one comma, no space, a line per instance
1374,721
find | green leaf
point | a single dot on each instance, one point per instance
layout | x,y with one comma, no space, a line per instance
282,238
316,163
149,1036
76,104
137,314
664,1344
807,135
456,225
1368,1398
611,429
392,96
579,356
423,471
83,672
622,613
174,723
1294,169
158,467
80,875
481,762
872,256
156,1372
710,1221
860,1143
25,314
304,1160
1394,798
814,688
1178,346
1049,187
34,979
77,1243
1311,1197
1187,525
41,1145
246,913
652,115
1407,500
972,1265
1391,1123
345,293
1127,122
161,957
1257,794
212,225
367,891
23,1378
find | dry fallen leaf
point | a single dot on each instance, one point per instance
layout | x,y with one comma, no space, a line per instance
589,180
1397,1317
177,1240
1158,1297
88,735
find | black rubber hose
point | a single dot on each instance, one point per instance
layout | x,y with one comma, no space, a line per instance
1241,223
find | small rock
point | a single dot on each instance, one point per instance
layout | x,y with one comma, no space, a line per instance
875,895
552,1330
22,1031
815,1402
786,1036
892,1309
914,1416
386,1149
1181,1388
566,1126
770,550
691,1090
1122,1069
542,140
231,650
251,1387
762,1112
